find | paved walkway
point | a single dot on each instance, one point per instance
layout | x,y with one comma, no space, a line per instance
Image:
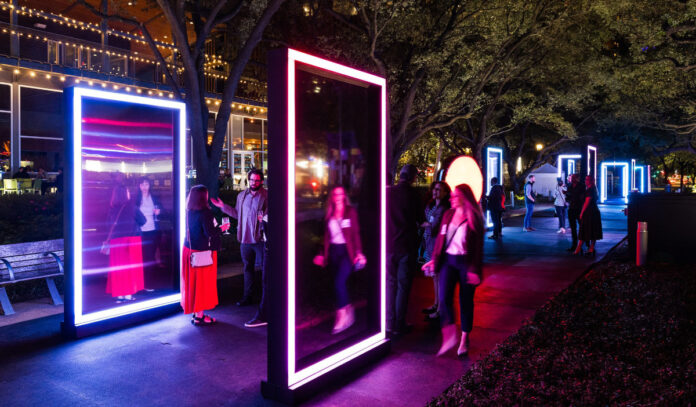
170,363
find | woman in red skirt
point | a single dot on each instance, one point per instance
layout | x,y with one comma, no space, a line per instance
199,284
125,276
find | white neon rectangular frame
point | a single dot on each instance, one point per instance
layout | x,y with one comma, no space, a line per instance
569,158
298,378
490,151
649,177
624,180
79,94
592,149
642,177
633,174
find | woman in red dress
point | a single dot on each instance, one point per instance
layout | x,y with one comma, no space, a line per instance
125,276
199,284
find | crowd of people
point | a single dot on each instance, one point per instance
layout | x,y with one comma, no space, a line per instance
24,173
450,247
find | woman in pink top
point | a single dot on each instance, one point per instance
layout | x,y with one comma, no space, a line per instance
458,255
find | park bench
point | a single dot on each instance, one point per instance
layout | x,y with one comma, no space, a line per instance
30,261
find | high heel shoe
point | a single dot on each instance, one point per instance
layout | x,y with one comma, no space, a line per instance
463,349
449,338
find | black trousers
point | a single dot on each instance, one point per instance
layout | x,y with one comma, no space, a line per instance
452,271
497,219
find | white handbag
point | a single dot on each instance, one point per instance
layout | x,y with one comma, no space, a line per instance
202,259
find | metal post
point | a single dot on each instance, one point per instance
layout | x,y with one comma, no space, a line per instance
642,244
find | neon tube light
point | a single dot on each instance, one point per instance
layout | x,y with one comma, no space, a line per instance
298,378
592,150
625,180
570,158
632,170
493,154
77,102
642,177
649,176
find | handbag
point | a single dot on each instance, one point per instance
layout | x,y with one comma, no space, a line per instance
105,247
199,259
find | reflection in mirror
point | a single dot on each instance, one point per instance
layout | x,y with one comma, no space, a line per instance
127,204
337,200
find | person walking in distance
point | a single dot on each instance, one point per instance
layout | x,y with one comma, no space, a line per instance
559,196
496,206
458,255
250,203
575,197
529,201
403,215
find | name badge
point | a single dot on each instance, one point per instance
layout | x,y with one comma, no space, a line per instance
345,223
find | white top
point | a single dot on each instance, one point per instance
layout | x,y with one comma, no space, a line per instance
147,207
457,245
559,196
336,232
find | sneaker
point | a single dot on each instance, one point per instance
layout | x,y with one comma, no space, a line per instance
559,231
525,230
563,230
255,323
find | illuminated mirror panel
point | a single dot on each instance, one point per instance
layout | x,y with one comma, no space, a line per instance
494,168
127,225
336,227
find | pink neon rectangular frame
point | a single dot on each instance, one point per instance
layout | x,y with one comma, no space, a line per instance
298,378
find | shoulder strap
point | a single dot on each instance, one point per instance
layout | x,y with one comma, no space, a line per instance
449,240
111,231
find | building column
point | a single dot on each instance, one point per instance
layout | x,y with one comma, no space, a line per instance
15,148
14,39
104,37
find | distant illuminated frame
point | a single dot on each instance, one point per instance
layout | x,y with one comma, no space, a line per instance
570,160
78,95
491,153
640,168
592,151
624,179
309,373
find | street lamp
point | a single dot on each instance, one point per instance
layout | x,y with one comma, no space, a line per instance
539,146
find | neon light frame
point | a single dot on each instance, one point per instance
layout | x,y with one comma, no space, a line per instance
309,373
625,180
642,177
569,158
79,93
649,177
499,152
592,150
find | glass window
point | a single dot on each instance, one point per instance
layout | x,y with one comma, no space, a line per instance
5,97
42,153
5,134
236,125
71,57
252,134
41,128
95,61
118,65
53,52
144,71
41,113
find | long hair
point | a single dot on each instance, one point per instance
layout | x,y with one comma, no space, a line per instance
575,178
197,198
472,209
139,193
445,187
330,207
591,180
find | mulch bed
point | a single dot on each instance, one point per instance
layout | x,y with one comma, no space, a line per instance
620,335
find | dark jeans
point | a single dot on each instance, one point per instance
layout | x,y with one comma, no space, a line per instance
497,219
262,312
453,271
150,240
574,222
252,256
340,265
561,212
399,278
528,215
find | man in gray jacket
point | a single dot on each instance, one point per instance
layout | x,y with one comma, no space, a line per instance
252,204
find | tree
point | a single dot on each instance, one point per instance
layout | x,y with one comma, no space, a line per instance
245,21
